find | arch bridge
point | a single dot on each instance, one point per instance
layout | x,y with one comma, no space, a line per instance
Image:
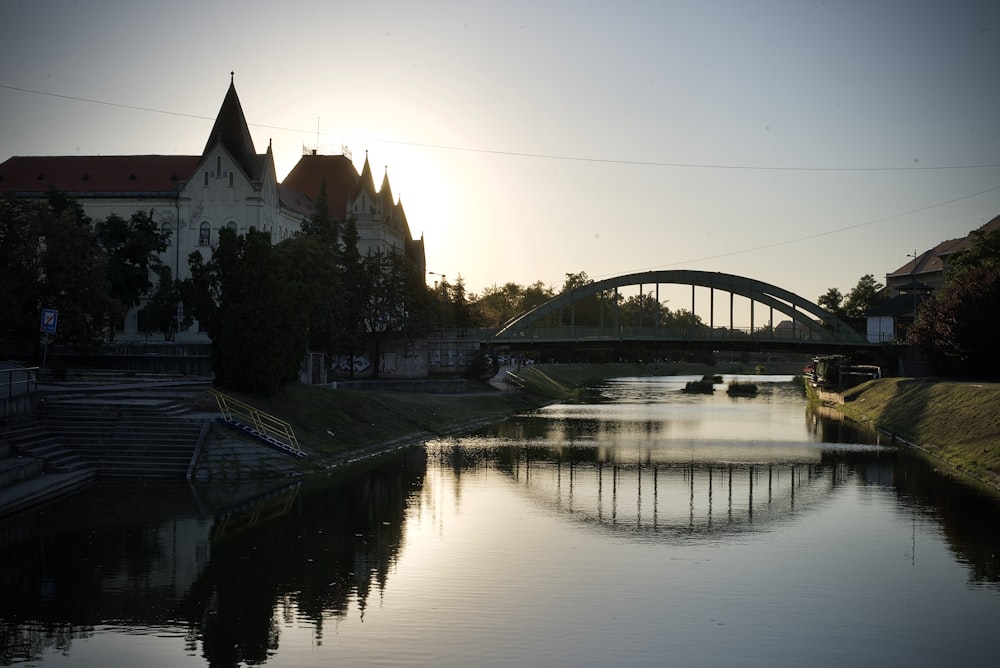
806,326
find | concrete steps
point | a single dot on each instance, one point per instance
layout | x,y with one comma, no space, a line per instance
148,439
73,440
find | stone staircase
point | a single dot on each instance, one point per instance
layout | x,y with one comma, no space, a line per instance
131,438
71,441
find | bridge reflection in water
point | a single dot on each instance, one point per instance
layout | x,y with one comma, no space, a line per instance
662,493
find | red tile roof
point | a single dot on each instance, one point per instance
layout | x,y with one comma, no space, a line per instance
97,175
339,172
933,260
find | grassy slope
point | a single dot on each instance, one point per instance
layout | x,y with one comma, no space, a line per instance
334,422
958,422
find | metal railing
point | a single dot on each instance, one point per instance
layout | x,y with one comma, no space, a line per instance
267,425
18,380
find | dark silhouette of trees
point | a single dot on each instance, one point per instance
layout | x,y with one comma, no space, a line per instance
50,258
957,326
853,308
132,248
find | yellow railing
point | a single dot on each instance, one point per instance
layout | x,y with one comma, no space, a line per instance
264,423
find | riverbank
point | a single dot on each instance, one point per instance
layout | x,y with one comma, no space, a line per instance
955,422
338,426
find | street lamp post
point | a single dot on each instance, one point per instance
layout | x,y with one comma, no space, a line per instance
444,295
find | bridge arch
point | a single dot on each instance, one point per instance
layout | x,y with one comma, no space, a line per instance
810,316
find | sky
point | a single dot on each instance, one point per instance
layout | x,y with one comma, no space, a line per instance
801,143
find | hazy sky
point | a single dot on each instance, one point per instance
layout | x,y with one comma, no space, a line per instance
802,143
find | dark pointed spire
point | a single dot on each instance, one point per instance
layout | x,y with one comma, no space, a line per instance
232,131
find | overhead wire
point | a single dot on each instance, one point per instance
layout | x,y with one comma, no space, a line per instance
524,154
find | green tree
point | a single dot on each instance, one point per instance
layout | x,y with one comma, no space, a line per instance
984,252
384,312
310,261
353,282
957,327
862,299
73,280
160,312
22,225
321,223
833,302
264,328
132,247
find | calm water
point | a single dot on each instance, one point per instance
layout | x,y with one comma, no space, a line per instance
650,528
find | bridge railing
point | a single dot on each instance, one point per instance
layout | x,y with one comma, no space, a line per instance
671,333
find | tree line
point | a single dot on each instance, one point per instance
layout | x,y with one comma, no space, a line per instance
263,305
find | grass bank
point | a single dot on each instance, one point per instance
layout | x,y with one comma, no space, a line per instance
341,424
334,423
954,421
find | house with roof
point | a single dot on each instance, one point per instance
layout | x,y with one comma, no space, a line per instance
914,282
229,185
381,220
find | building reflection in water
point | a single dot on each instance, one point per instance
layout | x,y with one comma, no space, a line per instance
226,571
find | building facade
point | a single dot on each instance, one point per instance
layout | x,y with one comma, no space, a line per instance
194,197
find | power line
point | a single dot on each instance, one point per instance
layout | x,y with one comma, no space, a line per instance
810,237
522,154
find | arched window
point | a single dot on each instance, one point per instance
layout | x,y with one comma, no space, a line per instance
168,232
204,233
218,167
230,178
232,225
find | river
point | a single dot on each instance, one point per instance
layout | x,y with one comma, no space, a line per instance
647,527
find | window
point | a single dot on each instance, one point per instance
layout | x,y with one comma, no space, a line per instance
168,232
218,167
230,179
206,178
204,234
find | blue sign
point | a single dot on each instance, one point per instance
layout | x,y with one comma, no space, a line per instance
50,317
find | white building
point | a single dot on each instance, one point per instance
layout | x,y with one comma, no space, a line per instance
194,196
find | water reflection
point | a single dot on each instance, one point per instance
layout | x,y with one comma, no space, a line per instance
103,559
230,574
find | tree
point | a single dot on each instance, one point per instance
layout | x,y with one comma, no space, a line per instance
263,335
384,312
310,261
160,313
132,247
253,312
984,252
73,280
833,302
22,224
862,299
957,327
321,223
350,321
